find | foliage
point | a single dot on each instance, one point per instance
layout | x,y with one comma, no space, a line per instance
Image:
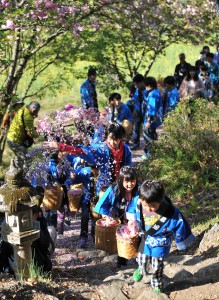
186,157
37,275
34,35
133,34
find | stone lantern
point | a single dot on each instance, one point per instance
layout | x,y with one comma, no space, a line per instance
17,198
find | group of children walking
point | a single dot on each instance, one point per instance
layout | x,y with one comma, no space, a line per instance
146,206
104,167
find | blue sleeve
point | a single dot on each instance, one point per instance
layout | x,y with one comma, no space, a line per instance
182,232
105,203
127,161
125,114
151,104
131,210
173,98
85,97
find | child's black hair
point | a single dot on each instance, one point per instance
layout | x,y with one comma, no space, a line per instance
204,68
91,72
152,191
92,166
117,130
138,78
127,173
209,54
151,81
116,96
169,80
54,154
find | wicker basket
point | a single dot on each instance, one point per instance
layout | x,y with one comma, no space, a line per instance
75,200
105,237
127,247
93,202
127,126
53,196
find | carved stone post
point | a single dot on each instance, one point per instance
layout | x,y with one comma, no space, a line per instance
17,197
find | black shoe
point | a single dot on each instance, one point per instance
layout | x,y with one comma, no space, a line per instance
134,147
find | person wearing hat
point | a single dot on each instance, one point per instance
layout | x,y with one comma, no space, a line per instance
88,91
21,129
9,117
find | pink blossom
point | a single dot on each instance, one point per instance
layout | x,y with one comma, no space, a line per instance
51,5
85,7
76,35
39,3
9,25
68,107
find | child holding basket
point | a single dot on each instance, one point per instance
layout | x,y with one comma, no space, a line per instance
160,222
120,200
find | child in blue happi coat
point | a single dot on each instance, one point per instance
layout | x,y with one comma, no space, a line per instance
58,173
120,200
121,114
88,176
152,108
160,222
171,95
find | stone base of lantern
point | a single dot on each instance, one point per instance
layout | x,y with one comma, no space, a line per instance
21,243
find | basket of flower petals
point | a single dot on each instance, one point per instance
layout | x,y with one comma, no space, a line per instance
127,241
75,195
53,195
105,234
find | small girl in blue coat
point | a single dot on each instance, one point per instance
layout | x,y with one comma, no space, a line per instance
120,200
160,222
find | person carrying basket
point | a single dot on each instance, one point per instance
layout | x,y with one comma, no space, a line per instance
120,200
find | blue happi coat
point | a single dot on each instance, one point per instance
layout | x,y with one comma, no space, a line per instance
76,162
124,113
153,106
176,227
110,200
86,91
172,99
100,155
137,104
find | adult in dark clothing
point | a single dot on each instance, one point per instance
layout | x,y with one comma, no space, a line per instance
181,70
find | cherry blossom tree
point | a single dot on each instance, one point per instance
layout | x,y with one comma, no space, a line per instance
32,35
